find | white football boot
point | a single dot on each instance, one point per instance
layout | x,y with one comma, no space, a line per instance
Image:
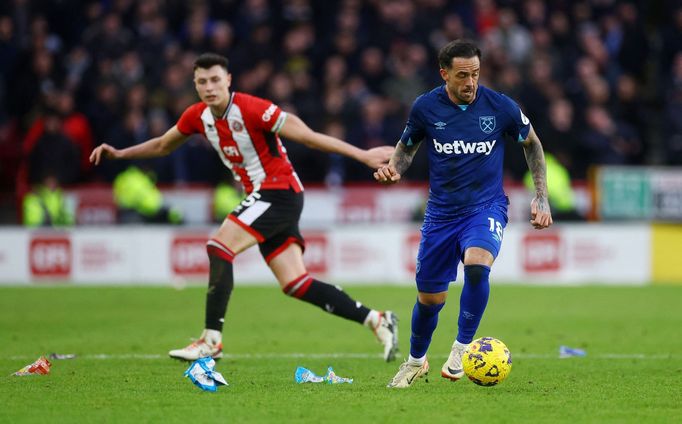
408,373
387,333
209,344
452,368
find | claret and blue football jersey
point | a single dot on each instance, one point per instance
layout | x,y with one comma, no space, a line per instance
465,148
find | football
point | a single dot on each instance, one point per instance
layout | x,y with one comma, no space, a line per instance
487,361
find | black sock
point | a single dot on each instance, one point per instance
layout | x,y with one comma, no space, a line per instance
220,284
330,298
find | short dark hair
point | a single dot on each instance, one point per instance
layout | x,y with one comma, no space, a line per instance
457,48
207,60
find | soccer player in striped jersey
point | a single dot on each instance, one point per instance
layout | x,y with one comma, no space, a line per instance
244,130
463,125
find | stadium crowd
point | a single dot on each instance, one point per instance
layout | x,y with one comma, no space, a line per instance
601,80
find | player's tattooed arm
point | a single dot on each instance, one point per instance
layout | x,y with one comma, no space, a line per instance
535,158
403,156
399,163
541,215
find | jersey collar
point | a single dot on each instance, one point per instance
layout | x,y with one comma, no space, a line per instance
229,105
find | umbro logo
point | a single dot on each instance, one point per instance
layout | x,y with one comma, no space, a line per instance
440,125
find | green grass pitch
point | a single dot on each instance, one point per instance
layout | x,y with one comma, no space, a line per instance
632,371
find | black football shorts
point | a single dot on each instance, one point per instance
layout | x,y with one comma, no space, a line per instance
271,216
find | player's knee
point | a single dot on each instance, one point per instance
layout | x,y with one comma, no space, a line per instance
432,298
478,256
429,310
214,248
298,286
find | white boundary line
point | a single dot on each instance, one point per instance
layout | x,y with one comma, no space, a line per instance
256,356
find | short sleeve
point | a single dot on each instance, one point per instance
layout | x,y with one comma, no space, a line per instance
264,114
189,120
414,131
520,126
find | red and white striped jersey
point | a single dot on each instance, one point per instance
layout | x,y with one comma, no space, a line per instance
246,140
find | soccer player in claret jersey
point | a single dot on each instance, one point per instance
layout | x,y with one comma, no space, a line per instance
244,130
463,125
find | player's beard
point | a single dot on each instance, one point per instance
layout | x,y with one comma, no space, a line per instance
468,96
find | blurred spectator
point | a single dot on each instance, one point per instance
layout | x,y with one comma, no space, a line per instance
139,200
197,28
252,14
108,39
607,141
221,38
513,38
631,107
487,16
104,109
54,153
77,63
538,89
258,44
37,78
128,70
9,51
452,28
373,68
154,39
634,49
671,35
336,173
405,82
673,135
226,197
560,135
45,205
74,125
131,131
672,122
373,129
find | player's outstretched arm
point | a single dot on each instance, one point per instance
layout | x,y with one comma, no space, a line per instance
400,161
295,129
540,213
155,147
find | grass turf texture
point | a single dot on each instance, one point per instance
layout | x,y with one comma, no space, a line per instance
265,330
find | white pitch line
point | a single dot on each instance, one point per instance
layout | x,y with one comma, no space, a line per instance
300,355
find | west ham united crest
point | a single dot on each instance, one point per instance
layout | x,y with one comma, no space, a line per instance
487,123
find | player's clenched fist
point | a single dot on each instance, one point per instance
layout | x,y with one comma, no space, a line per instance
103,151
387,175
540,214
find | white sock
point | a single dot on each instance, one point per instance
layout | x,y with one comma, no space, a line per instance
416,361
212,337
460,346
373,319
